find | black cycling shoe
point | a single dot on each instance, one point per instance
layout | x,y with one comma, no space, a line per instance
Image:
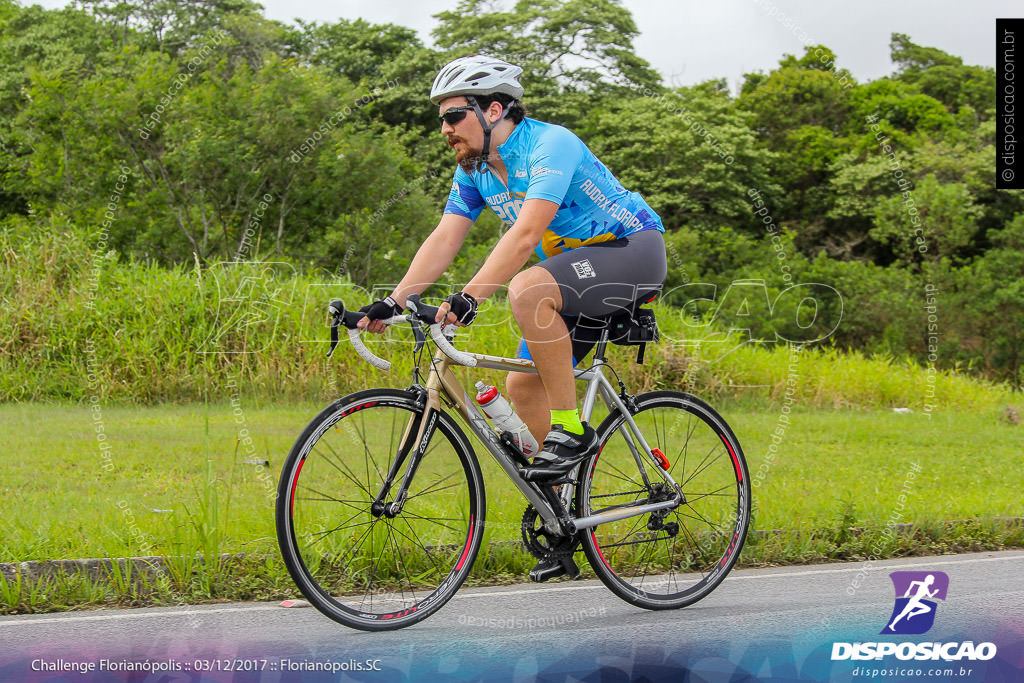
561,452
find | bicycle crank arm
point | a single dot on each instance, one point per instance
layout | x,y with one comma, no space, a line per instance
623,513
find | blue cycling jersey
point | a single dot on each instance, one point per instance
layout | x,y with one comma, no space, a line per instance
547,161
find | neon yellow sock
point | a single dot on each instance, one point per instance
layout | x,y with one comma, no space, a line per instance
569,419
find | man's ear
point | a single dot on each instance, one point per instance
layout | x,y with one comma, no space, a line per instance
495,111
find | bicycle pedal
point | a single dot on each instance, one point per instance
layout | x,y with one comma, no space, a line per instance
547,570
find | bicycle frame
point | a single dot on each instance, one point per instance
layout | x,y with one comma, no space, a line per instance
442,380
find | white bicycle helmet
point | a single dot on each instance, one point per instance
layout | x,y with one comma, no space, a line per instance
476,75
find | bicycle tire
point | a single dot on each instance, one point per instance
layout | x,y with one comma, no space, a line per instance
410,564
654,568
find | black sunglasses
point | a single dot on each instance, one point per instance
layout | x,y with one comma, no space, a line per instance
454,115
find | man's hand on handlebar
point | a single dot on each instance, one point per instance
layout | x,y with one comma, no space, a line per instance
459,309
377,313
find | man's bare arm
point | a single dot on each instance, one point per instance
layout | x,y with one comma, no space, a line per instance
510,254
431,260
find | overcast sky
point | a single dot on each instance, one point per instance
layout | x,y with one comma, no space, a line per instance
689,41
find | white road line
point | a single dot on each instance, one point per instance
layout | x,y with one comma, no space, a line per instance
16,621
777,574
23,622
858,567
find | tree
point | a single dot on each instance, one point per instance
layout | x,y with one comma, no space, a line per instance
224,161
63,44
803,91
798,111
944,76
689,154
899,104
562,46
930,221
356,49
169,25
912,58
993,297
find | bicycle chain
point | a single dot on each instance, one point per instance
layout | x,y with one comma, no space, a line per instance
542,544
535,538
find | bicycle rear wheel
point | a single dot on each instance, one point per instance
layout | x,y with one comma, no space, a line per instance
673,558
357,563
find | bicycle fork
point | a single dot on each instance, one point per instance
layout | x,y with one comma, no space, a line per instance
418,432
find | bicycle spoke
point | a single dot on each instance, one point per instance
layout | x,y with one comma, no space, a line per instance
432,521
367,455
434,488
401,560
696,517
422,545
639,519
331,499
343,470
691,497
634,494
691,427
347,525
359,542
649,549
624,476
704,464
694,545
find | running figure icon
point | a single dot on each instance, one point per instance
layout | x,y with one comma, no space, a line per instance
917,594
915,606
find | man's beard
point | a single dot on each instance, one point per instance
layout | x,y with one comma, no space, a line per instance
468,156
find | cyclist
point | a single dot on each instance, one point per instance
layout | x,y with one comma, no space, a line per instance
600,245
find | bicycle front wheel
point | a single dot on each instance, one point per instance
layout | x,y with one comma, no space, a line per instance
353,558
671,558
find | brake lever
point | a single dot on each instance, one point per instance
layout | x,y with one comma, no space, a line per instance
420,310
337,310
417,333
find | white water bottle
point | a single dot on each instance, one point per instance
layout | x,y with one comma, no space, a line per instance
504,418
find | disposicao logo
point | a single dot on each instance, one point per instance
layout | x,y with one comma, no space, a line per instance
916,592
913,614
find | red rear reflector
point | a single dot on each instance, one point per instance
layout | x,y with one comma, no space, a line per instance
660,457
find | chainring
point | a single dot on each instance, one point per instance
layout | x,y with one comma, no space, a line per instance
541,543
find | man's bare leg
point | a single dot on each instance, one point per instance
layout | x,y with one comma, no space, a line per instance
536,301
526,392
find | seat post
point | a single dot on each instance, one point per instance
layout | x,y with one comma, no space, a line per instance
601,344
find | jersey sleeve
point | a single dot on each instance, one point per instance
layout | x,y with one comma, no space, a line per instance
464,199
553,163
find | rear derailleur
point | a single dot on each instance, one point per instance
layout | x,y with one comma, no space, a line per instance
661,491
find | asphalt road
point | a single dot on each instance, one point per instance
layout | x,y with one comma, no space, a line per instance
772,624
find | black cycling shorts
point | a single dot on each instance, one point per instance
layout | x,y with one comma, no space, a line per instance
604,278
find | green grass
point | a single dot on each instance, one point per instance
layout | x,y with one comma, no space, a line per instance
66,506
178,488
153,335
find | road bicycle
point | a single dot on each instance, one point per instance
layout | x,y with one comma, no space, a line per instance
381,508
